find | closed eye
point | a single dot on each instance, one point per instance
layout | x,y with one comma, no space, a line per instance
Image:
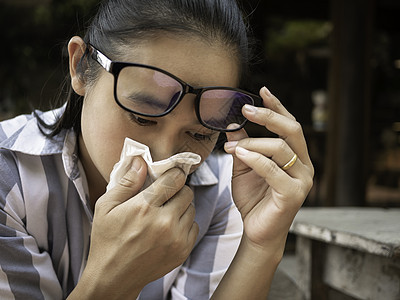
201,137
141,121
195,135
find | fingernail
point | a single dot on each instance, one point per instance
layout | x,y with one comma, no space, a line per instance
266,91
136,164
233,126
250,109
241,151
230,145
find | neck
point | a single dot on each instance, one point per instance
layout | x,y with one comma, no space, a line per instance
96,182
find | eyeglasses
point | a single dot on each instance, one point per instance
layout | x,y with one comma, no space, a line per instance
152,92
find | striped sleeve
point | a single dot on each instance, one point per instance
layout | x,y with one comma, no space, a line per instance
200,275
26,271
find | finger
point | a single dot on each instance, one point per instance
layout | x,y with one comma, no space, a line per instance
187,218
179,203
188,221
236,136
279,180
287,128
230,146
193,233
128,186
165,187
274,148
273,103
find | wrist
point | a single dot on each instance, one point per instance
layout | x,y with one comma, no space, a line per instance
97,285
251,271
270,252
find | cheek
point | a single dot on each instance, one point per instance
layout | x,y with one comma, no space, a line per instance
103,132
202,148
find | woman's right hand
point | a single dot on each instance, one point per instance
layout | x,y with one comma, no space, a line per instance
138,237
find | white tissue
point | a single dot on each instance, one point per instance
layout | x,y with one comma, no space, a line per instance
131,148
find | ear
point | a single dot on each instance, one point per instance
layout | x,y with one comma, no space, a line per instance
76,49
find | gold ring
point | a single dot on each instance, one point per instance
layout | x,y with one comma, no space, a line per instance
290,163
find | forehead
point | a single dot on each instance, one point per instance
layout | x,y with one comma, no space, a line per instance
195,61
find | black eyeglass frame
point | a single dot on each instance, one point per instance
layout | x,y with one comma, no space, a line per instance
115,67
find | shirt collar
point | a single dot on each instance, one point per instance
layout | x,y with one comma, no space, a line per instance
30,140
203,175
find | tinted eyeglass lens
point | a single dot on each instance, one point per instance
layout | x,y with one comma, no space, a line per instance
219,108
147,91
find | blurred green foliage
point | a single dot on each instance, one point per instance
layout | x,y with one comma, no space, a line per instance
288,37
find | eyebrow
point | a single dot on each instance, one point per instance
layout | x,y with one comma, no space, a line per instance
142,98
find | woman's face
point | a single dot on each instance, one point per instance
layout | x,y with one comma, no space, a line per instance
105,125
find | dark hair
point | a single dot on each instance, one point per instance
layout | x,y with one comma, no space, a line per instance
119,22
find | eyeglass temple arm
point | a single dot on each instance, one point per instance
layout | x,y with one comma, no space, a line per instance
103,60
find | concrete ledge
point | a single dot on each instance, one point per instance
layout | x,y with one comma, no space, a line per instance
284,286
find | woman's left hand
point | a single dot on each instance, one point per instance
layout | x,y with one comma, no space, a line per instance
267,195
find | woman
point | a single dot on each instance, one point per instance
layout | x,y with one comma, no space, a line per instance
139,73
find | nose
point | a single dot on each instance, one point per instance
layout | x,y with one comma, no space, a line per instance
170,137
162,148
165,145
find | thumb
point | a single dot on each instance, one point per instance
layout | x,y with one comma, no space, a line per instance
131,183
230,147
127,187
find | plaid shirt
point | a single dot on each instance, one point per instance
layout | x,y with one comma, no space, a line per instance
46,219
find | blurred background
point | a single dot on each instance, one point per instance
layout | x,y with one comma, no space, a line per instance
334,64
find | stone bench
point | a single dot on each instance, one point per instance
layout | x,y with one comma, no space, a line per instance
347,253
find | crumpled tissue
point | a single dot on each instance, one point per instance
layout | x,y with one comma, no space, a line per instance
131,148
